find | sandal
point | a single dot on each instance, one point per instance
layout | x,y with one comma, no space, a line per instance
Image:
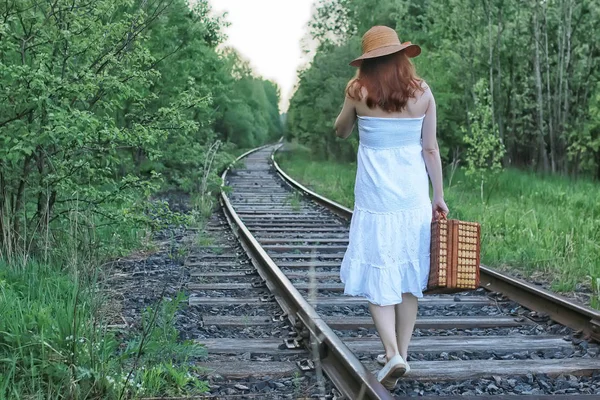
382,360
392,371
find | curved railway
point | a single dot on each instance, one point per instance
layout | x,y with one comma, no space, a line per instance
508,337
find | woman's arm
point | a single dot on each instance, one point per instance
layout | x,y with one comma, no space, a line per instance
431,155
345,121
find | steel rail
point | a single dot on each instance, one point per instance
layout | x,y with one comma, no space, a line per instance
344,369
558,308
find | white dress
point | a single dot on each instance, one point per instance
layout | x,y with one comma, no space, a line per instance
390,231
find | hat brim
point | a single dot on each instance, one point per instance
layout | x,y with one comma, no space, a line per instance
411,50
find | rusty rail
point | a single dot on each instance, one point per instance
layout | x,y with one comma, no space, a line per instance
344,369
559,308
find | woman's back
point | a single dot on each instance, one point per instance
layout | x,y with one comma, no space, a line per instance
391,175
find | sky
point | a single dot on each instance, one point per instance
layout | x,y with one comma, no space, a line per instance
268,33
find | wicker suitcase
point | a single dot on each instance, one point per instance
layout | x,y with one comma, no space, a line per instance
455,249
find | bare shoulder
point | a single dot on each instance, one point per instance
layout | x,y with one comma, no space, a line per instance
426,89
426,96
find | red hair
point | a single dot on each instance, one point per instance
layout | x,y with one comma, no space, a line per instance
390,81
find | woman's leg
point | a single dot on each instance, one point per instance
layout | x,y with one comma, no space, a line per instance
385,322
406,315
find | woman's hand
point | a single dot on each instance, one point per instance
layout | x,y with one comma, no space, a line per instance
438,205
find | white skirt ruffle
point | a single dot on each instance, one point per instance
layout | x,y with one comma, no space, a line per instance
388,254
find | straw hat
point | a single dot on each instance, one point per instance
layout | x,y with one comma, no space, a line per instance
381,41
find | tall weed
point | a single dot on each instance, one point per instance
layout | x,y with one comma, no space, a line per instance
54,344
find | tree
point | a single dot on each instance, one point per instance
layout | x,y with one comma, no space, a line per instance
540,64
104,102
484,147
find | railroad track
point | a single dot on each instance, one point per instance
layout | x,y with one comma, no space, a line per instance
478,343
240,325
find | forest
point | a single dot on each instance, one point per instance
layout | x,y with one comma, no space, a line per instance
106,100
516,82
105,105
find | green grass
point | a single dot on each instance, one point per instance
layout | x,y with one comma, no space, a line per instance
54,340
54,344
545,227
295,201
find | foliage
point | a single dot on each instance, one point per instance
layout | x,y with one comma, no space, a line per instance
312,112
584,148
54,346
595,284
538,59
484,148
250,109
155,361
543,226
103,103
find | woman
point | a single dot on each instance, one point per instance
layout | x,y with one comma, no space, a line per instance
387,260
